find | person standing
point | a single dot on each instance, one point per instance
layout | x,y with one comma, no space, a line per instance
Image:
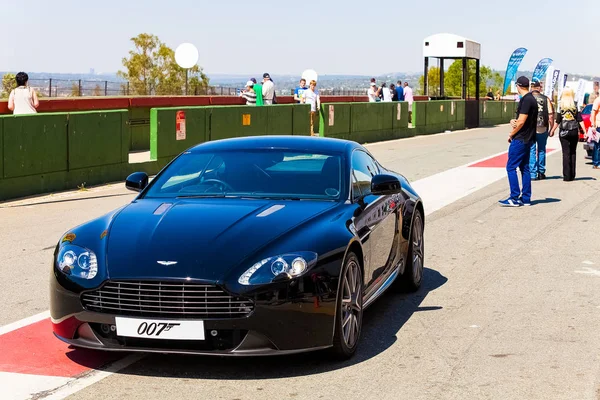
300,90
311,96
595,124
373,93
545,123
249,94
569,121
268,89
23,99
521,138
408,96
400,91
386,94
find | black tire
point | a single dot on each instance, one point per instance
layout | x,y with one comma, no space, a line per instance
413,273
345,342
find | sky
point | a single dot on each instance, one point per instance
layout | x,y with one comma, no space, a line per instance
286,37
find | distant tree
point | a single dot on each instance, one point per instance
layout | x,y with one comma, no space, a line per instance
433,82
198,82
151,69
97,90
75,90
8,84
453,80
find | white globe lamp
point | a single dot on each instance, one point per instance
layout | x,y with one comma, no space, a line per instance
310,75
186,56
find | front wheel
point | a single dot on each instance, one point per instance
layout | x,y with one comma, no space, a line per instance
413,274
349,312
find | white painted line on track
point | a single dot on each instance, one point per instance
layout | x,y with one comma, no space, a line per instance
24,322
77,384
25,386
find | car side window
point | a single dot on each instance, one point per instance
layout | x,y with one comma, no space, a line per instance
363,170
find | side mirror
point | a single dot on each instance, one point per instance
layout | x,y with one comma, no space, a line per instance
382,185
137,181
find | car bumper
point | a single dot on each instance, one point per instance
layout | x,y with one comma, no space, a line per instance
292,325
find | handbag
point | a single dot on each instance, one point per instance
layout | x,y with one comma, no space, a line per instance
593,135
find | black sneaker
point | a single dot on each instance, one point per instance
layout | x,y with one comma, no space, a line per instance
541,176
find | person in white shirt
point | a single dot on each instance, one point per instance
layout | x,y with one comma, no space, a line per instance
373,93
387,95
408,97
311,96
268,89
23,99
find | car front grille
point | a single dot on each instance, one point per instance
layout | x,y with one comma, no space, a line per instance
165,300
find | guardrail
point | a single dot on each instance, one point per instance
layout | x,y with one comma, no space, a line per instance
47,152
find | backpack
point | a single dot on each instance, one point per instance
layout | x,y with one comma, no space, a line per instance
543,116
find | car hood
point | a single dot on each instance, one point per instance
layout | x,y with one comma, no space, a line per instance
205,237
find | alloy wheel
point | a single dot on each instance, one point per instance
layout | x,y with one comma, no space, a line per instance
351,304
417,249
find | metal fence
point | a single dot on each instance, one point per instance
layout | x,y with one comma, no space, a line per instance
79,88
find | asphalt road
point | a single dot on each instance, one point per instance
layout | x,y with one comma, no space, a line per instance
509,307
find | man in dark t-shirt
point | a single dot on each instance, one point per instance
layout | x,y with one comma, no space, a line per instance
521,138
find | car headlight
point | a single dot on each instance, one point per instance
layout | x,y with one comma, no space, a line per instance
77,261
286,266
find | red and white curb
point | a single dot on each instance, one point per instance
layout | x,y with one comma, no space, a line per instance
36,365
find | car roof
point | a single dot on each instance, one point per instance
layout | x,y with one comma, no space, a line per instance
284,142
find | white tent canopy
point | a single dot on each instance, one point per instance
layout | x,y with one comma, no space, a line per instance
447,45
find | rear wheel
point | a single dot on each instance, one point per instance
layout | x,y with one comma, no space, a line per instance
349,313
413,274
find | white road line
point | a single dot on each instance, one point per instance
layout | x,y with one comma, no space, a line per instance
25,386
24,322
90,378
437,191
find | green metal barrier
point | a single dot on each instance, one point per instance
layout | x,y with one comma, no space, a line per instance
237,121
365,122
97,139
1,149
301,119
167,139
139,125
335,120
34,144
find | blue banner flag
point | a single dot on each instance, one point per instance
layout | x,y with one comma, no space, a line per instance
513,66
541,68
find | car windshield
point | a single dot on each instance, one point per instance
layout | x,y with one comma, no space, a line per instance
258,174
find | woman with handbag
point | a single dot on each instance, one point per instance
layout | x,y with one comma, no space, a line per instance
569,121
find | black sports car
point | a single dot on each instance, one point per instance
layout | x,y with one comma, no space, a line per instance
248,246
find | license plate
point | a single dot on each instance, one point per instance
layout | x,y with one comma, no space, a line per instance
160,329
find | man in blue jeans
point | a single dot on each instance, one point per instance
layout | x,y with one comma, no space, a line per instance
545,121
521,138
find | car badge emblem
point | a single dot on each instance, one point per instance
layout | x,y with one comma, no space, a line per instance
167,263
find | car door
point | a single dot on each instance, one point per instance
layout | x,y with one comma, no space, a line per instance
375,219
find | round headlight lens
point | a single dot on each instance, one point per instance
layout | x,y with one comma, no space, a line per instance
298,266
279,266
69,259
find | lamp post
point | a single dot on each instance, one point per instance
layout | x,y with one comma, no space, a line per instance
186,57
